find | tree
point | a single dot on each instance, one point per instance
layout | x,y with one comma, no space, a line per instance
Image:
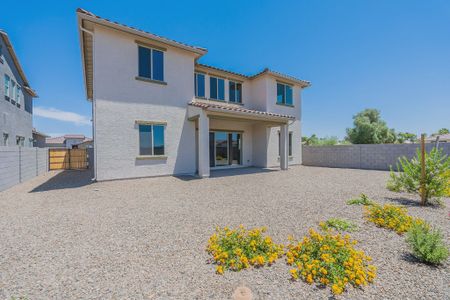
406,136
442,131
312,140
369,128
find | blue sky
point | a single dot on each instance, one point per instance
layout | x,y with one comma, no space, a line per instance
384,54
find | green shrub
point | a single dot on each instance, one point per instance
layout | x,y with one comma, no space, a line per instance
362,200
437,166
427,244
338,224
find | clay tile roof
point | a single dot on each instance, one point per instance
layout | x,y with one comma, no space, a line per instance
149,34
234,108
222,70
302,82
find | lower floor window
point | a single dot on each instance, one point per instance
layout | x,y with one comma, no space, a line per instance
289,144
5,139
151,139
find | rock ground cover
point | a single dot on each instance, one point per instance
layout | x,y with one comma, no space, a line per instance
63,238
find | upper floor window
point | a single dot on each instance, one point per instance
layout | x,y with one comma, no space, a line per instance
13,91
284,94
7,83
151,139
18,94
151,63
199,85
216,88
235,92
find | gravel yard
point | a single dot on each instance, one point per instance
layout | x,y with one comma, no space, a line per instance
64,238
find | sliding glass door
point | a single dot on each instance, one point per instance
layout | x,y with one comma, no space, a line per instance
224,148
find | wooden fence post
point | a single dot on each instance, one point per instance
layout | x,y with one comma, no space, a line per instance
423,172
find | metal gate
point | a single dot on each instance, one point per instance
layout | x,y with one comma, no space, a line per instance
68,159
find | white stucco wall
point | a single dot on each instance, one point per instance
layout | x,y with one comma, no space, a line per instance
120,100
14,121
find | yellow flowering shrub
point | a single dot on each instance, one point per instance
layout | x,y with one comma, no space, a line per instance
329,259
392,217
240,248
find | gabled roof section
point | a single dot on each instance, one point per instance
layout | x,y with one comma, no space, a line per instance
86,42
15,59
97,19
302,83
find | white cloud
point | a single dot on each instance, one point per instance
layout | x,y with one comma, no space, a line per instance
60,115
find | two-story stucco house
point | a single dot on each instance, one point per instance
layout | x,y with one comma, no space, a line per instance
158,111
16,107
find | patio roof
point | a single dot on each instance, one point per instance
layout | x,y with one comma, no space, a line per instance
238,110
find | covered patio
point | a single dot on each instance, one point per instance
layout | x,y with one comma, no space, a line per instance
229,136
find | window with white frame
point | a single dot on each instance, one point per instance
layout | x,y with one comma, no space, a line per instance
235,89
216,88
12,94
284,94
151,63
18,94
7,86
151,139
199,85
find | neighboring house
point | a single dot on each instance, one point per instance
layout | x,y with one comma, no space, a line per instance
443,138
68,141
157,111
87,143
39,139
16,99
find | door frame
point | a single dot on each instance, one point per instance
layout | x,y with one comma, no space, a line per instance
241,132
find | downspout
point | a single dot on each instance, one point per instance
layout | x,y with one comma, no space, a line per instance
94,104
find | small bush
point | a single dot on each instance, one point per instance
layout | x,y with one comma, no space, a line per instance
362,200
329,260
240,248
437,179
427,244
338,224
392,217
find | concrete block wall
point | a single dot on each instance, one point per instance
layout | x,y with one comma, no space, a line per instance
371,157
19,164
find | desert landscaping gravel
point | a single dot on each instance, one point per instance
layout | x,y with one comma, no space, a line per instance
62,237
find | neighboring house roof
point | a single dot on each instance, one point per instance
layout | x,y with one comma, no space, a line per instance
26,85
442,137
236,108
55,140
62,139
35,132
74,136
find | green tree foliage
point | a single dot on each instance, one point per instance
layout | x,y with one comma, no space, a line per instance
406,136
437,170
313,140
369,128
442,131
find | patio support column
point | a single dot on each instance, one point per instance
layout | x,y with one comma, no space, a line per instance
203,145
284,137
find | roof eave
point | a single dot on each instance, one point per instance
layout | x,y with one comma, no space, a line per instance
147,35
26,85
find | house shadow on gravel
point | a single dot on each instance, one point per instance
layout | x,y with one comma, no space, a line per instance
67,179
